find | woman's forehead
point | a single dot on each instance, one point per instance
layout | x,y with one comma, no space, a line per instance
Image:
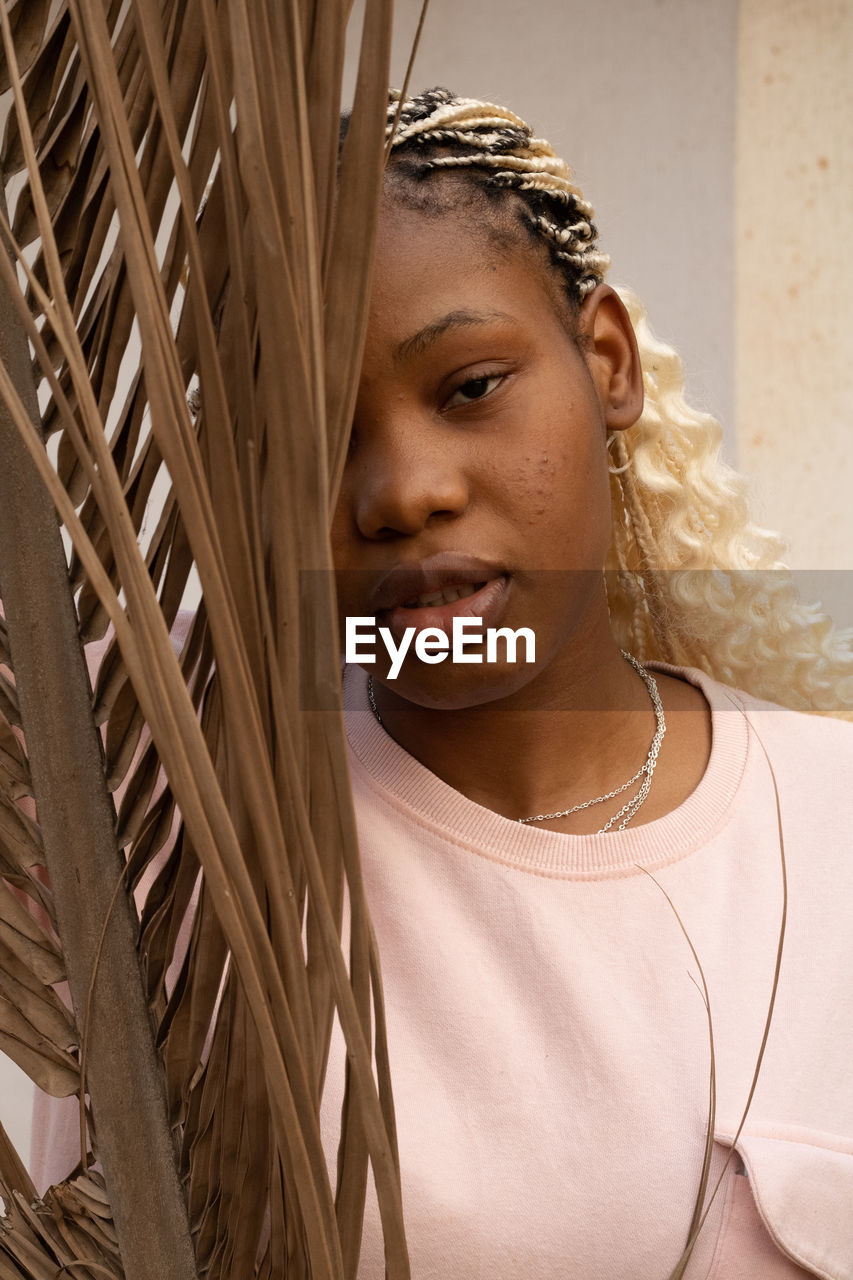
458,260
420,260
437,233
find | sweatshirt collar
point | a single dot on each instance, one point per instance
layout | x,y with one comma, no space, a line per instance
409,787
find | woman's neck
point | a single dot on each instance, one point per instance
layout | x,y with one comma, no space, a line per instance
578,730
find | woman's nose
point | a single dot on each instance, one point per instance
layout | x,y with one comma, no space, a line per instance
401,488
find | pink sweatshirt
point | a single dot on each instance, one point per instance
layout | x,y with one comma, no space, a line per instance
549,1046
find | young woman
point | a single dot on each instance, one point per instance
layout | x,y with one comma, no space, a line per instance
521,454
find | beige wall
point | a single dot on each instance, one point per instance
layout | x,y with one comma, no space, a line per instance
794,294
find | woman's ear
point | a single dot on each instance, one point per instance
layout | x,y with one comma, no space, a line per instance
610,347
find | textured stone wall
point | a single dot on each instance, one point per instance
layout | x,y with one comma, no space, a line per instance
794,276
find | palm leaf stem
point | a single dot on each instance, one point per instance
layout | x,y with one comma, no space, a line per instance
698,1216
765,1035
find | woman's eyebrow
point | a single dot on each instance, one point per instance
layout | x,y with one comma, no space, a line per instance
418,342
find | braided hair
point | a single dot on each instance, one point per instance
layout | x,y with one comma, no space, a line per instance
438,132
690,577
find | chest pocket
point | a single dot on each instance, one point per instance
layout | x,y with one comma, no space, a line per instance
791,1216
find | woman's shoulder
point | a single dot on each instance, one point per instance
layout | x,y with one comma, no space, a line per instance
810,754
796,728
813,739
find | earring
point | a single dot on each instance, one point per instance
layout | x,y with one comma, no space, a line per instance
615,438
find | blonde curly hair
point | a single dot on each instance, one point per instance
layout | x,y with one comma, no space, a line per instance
690,578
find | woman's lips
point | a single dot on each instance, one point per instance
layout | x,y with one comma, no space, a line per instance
488,603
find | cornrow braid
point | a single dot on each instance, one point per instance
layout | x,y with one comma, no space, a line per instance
438,131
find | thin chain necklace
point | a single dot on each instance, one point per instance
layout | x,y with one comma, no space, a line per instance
646,770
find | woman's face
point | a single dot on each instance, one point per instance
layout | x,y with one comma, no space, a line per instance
478,457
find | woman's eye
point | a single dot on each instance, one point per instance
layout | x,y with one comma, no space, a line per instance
474,389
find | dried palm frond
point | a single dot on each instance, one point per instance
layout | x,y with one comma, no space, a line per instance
188,260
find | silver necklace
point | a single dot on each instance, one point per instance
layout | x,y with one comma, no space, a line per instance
646,770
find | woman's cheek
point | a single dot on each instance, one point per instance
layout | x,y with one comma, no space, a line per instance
524,490
542,484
